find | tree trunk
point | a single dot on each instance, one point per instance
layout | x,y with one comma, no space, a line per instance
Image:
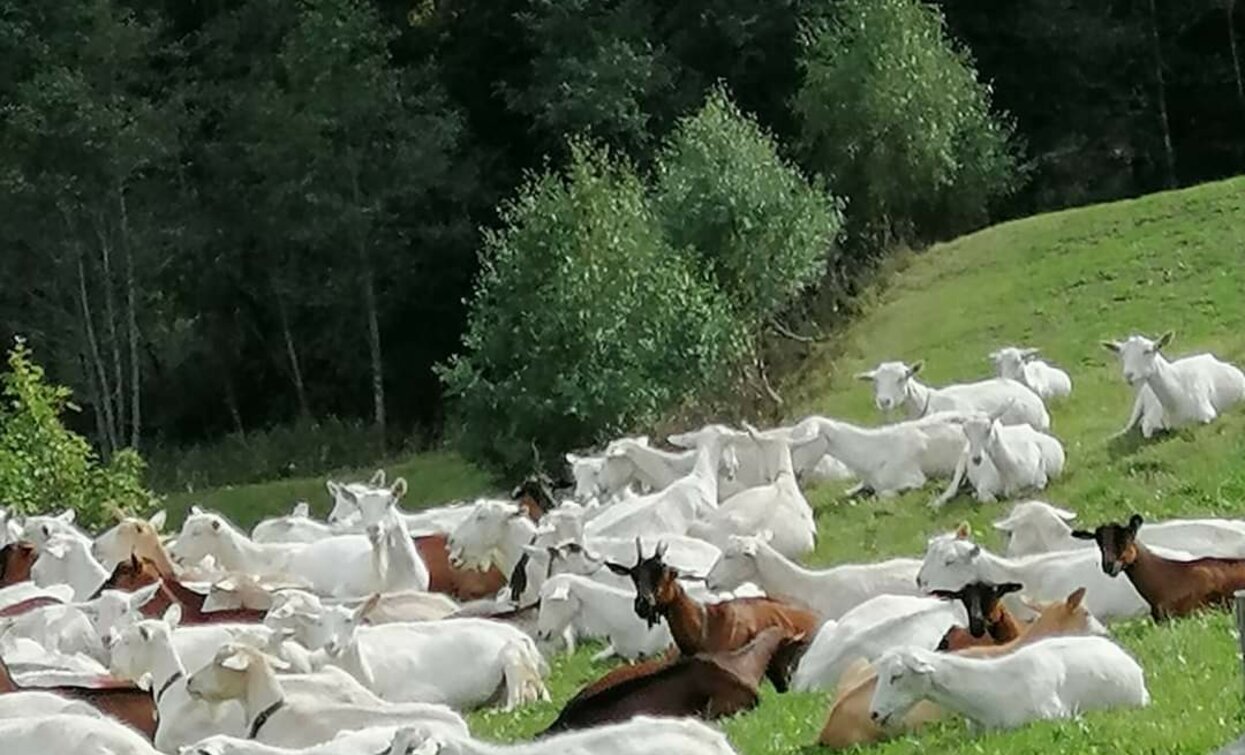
1169,154
101,372
114,343
101,432
231,403
291,353
368,281
131,305
1230,7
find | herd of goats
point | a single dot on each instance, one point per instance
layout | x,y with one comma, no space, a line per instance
371,632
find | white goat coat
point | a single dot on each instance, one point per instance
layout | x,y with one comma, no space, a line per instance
870,630
599,611
642,735
68,733
1016,459
1035,527
1055,678
830,593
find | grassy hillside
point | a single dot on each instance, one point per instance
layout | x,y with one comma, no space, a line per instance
1062,282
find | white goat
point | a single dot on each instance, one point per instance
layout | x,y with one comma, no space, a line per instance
1023,366
40,529
34,704
396,564
891,459
460,662
778,507
642,735
1059,677
830,592
895,385
68,561
953,561
351,501
65,629
240,672
339,566
295,527
71,733
871,629
1036,527
122,539
1192,390
598,611
1004,460
374,740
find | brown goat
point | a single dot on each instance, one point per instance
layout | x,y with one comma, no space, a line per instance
29,604
708,685
729,625
16,559
444,577
989,621
849,723
1172,588
139,572
121,700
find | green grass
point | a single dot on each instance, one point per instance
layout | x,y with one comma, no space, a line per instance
1064,282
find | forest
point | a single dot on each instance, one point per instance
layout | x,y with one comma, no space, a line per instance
405,219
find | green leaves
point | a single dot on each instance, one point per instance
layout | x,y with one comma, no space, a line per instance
44,466
894,116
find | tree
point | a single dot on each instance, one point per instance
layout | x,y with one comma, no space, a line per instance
894,115
723,191
584,322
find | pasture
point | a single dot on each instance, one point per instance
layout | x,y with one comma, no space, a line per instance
1063,282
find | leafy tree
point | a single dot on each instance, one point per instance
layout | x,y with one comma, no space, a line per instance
723,190
894,115
43,465
585,321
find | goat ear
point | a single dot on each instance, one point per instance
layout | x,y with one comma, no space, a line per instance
173,615
1164,339
1030,353
619,569
917,666
67,516
239,660
195,510
1083,535
332,487
916,367
561,592
301,510
963,531
1111,346
1134,522
1076,598
378,479
158,519
57,547
945,594
367,607
1064,514
143,596
399,487
867,375
1008,587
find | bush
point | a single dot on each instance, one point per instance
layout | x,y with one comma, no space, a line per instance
723,190
44,466
584,322
894,115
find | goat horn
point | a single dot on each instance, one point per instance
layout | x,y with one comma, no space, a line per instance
639,550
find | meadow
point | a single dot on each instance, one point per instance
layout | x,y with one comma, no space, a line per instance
1064,282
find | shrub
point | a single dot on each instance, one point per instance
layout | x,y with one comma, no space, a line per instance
723,191
584,322
894,115
45,466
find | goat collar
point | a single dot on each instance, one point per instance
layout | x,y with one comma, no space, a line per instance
924,407
165,687
263,717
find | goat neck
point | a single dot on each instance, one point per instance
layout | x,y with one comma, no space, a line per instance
1149,572
263,691
687,619
166,666
750,662
916,398
1166,386
1002,459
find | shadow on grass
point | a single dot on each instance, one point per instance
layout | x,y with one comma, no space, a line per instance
1123,446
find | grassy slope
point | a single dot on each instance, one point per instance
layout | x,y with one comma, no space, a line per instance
1064,282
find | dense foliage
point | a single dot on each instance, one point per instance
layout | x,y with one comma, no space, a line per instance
228,216
45,467
894,116
585,321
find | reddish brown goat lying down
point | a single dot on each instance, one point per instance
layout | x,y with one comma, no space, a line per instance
717,627
1172,588
121,700
139,572
708,685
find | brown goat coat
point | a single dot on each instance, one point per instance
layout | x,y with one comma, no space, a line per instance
445,578
709,685
29,604
1178,588
731,624
1001,628
16,560
121,700
848,722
